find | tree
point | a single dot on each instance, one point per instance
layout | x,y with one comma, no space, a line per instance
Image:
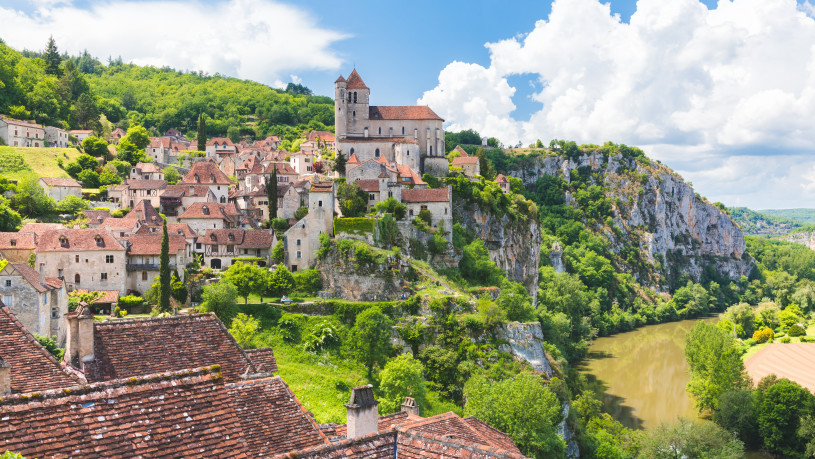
278,252
71,205
89,178
485,165
781,404
476,266
515,301
715,364
234,134
244,329
690,439
202,132
737,413
30,199
95,146
402,377
387,233
50,345
10,220
370,338
171,175
246,277
271,193
281,281
353,201
219,298
165,280
524,408
339,163
86,113
52,58
131,146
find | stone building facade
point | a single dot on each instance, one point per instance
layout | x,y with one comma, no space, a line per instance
39,303
83,258
16,133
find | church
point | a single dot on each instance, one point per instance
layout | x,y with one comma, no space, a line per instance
410,136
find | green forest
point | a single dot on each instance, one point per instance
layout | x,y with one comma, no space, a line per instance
73,92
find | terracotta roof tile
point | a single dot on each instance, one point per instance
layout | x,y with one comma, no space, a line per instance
30,276
147,168
355,81
32,367
371,185
219,141
263,359
404,112
461,160
22,123
325,136
77,240
160,142
353,159
244,239
60,181
108,296
406,171
215,210
40,228
493,435
150,244
425,195
208,174
372,446
21,241
461,151
96,216
501,178
127,348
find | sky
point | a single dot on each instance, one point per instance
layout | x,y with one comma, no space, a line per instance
723,91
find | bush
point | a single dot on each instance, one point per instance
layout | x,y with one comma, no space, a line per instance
786,339
437,245
425,216
764,335
360,226
308,281
796,330
280,225
129,302
300,213
323,336
50,345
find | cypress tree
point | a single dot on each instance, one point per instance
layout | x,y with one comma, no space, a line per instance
51,57
271,193
165,281
339,163
202,133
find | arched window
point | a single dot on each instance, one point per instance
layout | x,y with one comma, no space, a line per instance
76,278
431,150
354,114
197,178
352,151
355,97
349,96
403,130
377,152
223,199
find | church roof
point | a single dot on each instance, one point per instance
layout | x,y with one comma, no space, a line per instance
341,79
355,81
403,112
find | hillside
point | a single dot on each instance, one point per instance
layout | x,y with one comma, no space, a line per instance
800,215
81,88
762,222
18,163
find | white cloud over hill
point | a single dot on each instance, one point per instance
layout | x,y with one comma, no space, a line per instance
725,96
259,40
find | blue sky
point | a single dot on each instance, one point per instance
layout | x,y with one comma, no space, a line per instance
723,92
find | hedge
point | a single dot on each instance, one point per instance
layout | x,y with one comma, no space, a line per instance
359,225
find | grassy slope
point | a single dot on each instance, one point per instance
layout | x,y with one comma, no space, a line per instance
42,162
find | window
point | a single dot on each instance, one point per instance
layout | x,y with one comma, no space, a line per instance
352,151
197,179
63,241
231,237
298,254
230,248
380,131
371,196
376,153
298,243
108,258
354,113
205,211
45,298
8,282
103,276
212,237
8,300
198,245
76,258
355,97
431,150
144,275
424,207
59,273
246,251
319,203
76,278
14,242
55,313
403,130
411,212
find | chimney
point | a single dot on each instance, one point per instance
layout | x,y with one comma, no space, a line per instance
79,343
409,406
42,273
5,378
363,412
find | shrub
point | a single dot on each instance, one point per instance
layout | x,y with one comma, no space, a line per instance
764,335
280,225
437,245
360,225
289,328
50,345
130,301
786,339
425,216
308,281
300,213
323,336
796,330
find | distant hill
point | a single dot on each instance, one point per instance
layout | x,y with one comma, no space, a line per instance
801,215
762,222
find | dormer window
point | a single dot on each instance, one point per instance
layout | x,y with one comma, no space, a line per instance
212,178
63,241
99,241
212,237
197,179
13,242
231,237
205,210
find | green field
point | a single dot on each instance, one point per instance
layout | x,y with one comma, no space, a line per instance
17,163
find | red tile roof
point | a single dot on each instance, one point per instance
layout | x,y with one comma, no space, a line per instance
77,240
143,212
160,142
372,446
403,112
32,367
185,414
184,190
406,171
220,141
207,172
425,195
149,168
325,136
225,211
96,216
81,131
461,151
244,239
108,296
60,181
340,79
355,81
501,178
127,348
371,185
150,244
21,241
461,160
22,123
272,419
493,435
263,359
30,276
353,159
40,228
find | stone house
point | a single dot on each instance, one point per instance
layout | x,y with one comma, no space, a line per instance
39,303
436,200
117,194
144,190
146,171
158,149
144,258
302,162
17,247
56,137
362,129
175,199
83,258
16,133
219,144
202,216
302,240
470,165
116,136
207,173
59,188
81,134
318,140
222,247
371,169
95,217
502,182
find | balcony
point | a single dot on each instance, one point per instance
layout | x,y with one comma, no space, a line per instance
145,266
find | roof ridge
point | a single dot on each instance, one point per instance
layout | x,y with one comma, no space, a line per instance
179,317
492,451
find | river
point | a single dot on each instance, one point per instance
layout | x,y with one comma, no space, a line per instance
643,374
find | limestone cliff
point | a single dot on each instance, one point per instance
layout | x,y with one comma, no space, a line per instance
514,245
346,277
804,238
676,230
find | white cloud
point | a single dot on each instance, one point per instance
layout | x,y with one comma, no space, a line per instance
254,39
692,86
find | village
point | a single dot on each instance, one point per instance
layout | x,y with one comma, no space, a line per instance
200,390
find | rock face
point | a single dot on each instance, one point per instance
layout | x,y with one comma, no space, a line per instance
514,245
345,278
677,231
526,343
807,239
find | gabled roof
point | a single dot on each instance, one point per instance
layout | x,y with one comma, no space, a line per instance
31,277
77,240
21,241
340,79
160,142
406,171
355,81
325,136
143,212
96,216
206,172
220,141
150,243
461,151
462,160
147,168
32,367
189,190
263,359
164,344
501,178
425,195
40,228
21,123
60,181
226,211
370,186
402,112
353,159
141,184
244,239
